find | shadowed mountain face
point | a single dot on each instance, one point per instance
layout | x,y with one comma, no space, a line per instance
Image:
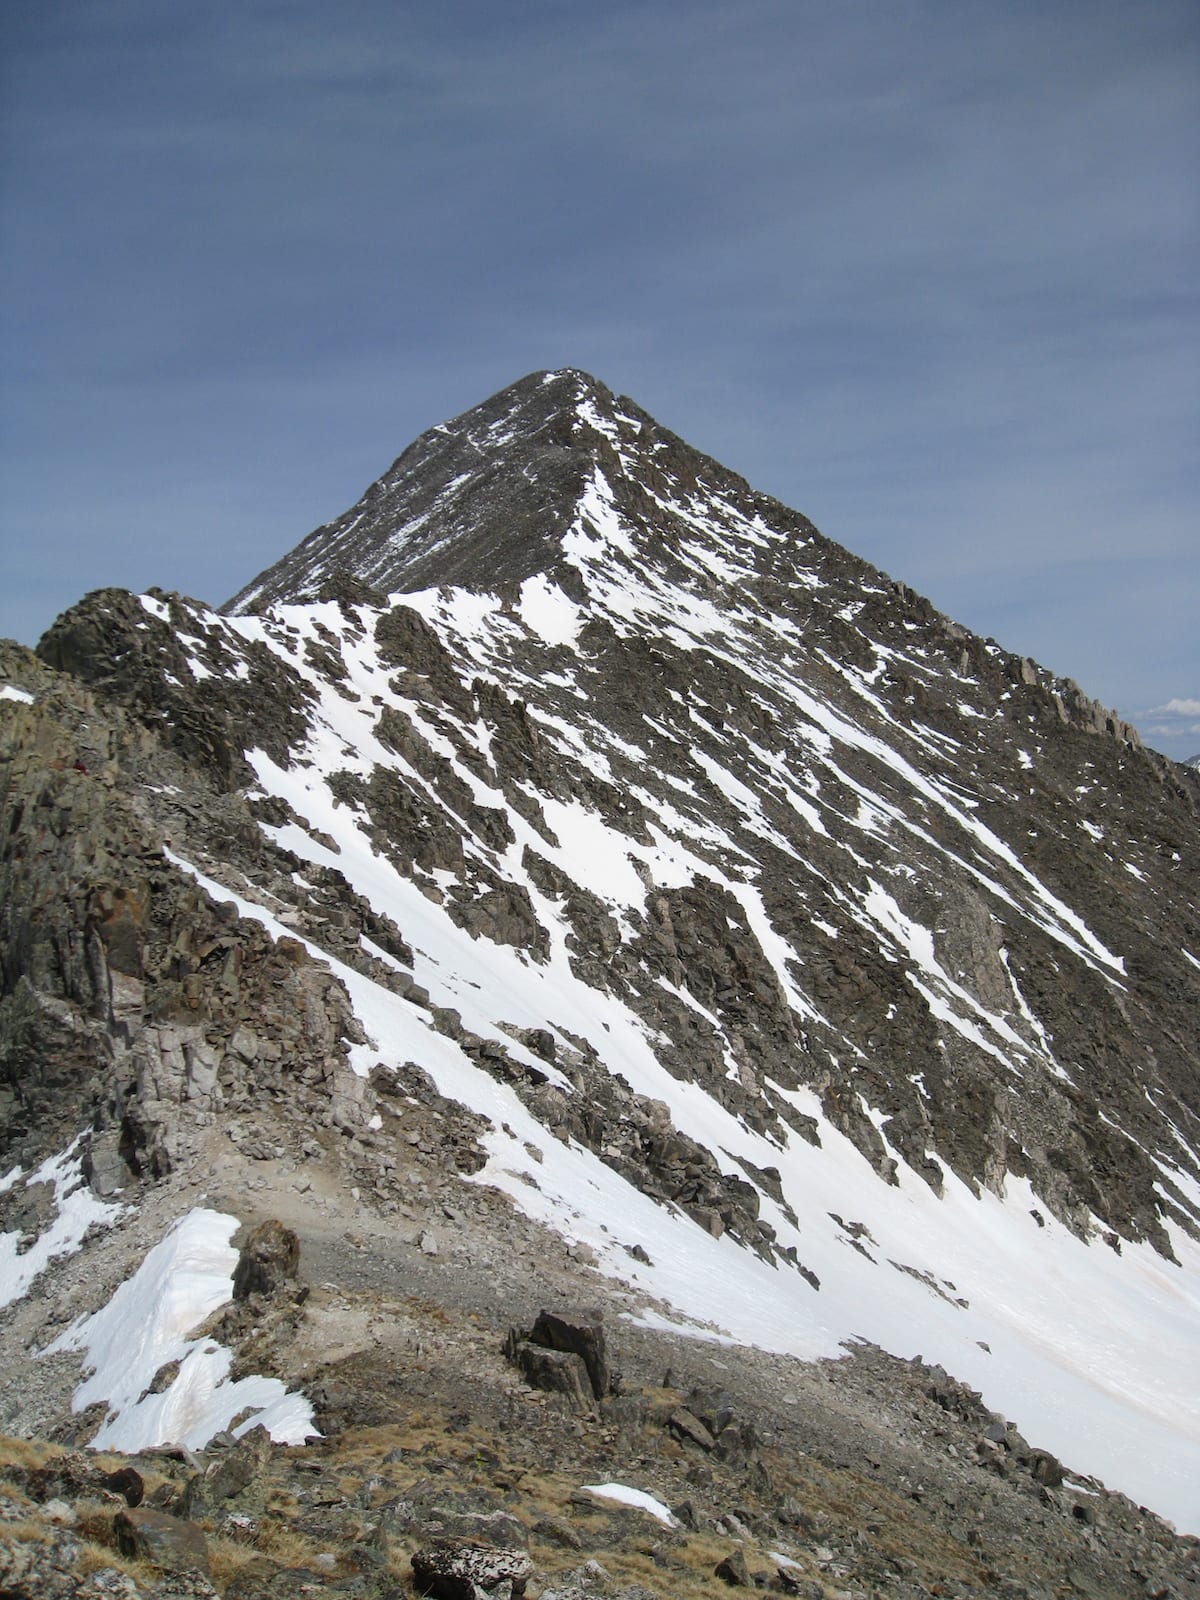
826,969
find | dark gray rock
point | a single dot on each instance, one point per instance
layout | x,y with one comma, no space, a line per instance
453,1571
557,1372
162,1540
228,1475
267,1262
1046,1469
734,1571
579,1332
685,1426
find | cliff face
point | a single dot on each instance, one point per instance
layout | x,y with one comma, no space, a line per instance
134,1007
818,969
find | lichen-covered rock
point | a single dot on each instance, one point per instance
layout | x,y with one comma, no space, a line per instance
448,1570
52,1570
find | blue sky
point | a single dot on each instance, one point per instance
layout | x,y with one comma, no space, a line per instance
926,271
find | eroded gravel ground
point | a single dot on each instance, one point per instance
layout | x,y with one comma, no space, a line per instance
874,1472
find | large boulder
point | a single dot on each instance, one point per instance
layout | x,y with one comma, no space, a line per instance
76,1476
269,1259
556,1372
447,1570
582,1333
165,1541
229,1474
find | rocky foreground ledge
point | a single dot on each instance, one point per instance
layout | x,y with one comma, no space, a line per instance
478,1443
552,1475
482,1436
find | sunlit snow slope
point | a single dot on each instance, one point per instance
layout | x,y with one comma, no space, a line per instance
842,963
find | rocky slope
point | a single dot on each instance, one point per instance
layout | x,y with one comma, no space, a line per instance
705,633
863,1477
571,844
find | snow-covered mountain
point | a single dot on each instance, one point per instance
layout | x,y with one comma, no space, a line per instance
820,971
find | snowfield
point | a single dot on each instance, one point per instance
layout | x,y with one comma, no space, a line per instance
76,1210
1082,1348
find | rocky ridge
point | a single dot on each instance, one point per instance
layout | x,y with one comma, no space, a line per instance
634,791
666,717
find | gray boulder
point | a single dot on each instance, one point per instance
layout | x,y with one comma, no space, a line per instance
451,1571
162,1540
269,1259
581,1332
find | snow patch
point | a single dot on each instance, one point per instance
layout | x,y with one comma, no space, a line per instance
546,611
624,1495
76,1210
145,1326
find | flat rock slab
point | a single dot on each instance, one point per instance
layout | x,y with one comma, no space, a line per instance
168,1542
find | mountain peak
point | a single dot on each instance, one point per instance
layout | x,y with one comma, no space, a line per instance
477,501
651,871
490,497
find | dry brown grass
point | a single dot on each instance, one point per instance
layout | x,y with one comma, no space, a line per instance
95,1557
476,1455
898,1530
29,1530
431,1311
473,1451
95,1554
13,1491
690,1561
96,1521
688,1573
285,1545
26,1453
281,1503
227,1558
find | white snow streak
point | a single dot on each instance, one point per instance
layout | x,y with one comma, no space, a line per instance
76,1210
624,1495
1085,1346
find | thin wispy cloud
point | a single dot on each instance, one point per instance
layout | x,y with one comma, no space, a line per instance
1178,719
